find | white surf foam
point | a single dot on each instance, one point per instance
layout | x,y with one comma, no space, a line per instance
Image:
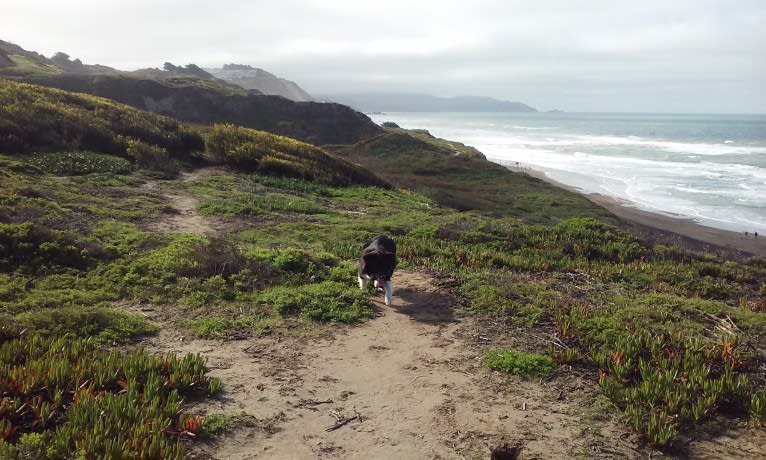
721,183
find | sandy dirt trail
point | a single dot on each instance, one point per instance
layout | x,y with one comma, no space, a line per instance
186,218
409,375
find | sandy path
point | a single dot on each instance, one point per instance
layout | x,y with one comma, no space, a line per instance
410,374
185,219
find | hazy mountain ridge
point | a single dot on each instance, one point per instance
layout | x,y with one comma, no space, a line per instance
18,63
206,102
191,94
415,102
37,119
253,78
15,61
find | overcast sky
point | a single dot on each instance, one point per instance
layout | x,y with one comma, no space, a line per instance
632,56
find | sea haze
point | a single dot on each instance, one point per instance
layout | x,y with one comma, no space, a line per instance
711,168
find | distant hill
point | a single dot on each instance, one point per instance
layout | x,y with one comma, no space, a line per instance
258,79
15,60
191,94
36,119
413,102
172,71
211,101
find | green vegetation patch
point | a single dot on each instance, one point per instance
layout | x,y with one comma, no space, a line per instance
218,326
665,382
214,424
79,163
252,205
34,118
518,362
325,301
461,178
30,248
272,155
102,324
72,203
65,396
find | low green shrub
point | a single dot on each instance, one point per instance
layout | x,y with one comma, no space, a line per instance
79,163
102,324
291,184
343,272
214,424
518,362
218,326
120,237
31,248
186,255
291,260
152,157
325,301
200,292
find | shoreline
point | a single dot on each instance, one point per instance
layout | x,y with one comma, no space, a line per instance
665,229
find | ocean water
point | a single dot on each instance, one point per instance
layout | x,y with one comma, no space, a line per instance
710,168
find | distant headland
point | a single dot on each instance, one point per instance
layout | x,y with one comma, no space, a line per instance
415,102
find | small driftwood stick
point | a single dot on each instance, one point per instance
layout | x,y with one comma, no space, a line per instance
312,403
344,422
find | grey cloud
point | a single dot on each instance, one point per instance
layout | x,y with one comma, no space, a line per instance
684,55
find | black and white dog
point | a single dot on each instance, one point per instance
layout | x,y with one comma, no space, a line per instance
378,262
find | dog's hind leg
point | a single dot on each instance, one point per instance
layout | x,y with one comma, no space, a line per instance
389,291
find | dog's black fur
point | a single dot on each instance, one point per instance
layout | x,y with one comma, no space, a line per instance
378,262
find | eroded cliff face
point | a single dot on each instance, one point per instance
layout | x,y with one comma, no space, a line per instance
254,78
193,101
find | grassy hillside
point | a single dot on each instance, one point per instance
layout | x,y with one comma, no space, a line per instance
34,118
204,101
675,341
256,151
637,319
460,177
56,127
15,61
